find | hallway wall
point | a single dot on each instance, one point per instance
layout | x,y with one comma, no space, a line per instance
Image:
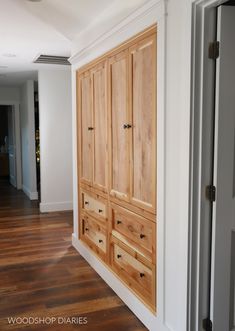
55,116
28,140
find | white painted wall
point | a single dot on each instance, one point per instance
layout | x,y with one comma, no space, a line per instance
8,93
173,80
55,112
28,140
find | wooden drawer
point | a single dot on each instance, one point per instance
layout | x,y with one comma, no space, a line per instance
135,230
139,277
94,235
95,205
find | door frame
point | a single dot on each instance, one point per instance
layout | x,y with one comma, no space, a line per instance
16,111
203,31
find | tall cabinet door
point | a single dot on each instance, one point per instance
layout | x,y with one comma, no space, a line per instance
143,91
119,133
86,129
99,82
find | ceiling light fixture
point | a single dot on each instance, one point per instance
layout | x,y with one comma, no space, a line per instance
9,55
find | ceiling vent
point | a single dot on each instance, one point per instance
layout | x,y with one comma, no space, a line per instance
52,59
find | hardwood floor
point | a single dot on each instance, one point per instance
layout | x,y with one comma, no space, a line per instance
42,275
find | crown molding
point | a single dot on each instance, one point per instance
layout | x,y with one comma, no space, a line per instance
144,16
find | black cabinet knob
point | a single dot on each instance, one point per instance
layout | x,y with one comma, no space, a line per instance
119,256
100,210
100,240
141,274
142,236
119,222
86,203
90,128
127,126
86,229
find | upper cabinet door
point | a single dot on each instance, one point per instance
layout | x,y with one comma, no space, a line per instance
143,91
119,133
86,128
99,78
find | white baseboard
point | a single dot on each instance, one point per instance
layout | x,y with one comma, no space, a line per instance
31,195
149,319
56,206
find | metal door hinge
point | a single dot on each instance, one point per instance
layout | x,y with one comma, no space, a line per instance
211,193
207,324
213,50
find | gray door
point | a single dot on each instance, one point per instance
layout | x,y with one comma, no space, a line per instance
223,232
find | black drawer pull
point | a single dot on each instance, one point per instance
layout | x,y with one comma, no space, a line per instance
86,229
100,210
142,236
119,256
127,126
100,240
141,275
86,202
119,222
90,128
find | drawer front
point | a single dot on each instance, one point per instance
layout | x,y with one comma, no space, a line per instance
138,277
132,268
139,231
94,233
94,205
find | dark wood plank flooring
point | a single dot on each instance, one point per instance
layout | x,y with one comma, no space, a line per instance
42,275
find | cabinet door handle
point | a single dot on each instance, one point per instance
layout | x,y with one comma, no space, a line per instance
119,222
86,229
100,210
119,256
100,240
142,236
86,202
141,274
90,128
127,126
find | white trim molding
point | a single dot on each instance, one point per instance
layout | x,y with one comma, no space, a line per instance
16,107
202,107
152,12
31,195
148,14
55,206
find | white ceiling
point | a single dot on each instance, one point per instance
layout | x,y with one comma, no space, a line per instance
28,29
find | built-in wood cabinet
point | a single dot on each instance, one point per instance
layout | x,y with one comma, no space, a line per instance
117,161
119,119
143,115
86,123
92,100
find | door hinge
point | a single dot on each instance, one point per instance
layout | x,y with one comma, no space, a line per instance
211,193
213,50
207,324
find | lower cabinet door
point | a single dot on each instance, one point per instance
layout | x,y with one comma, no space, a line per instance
139,277
94,235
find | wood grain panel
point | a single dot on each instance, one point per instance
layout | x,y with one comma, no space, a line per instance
139,277
119,179
86,134
143,90
135,231
99,77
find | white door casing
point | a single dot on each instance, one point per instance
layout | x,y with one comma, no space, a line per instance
223,234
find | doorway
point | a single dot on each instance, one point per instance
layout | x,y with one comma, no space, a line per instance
212,256
7,145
